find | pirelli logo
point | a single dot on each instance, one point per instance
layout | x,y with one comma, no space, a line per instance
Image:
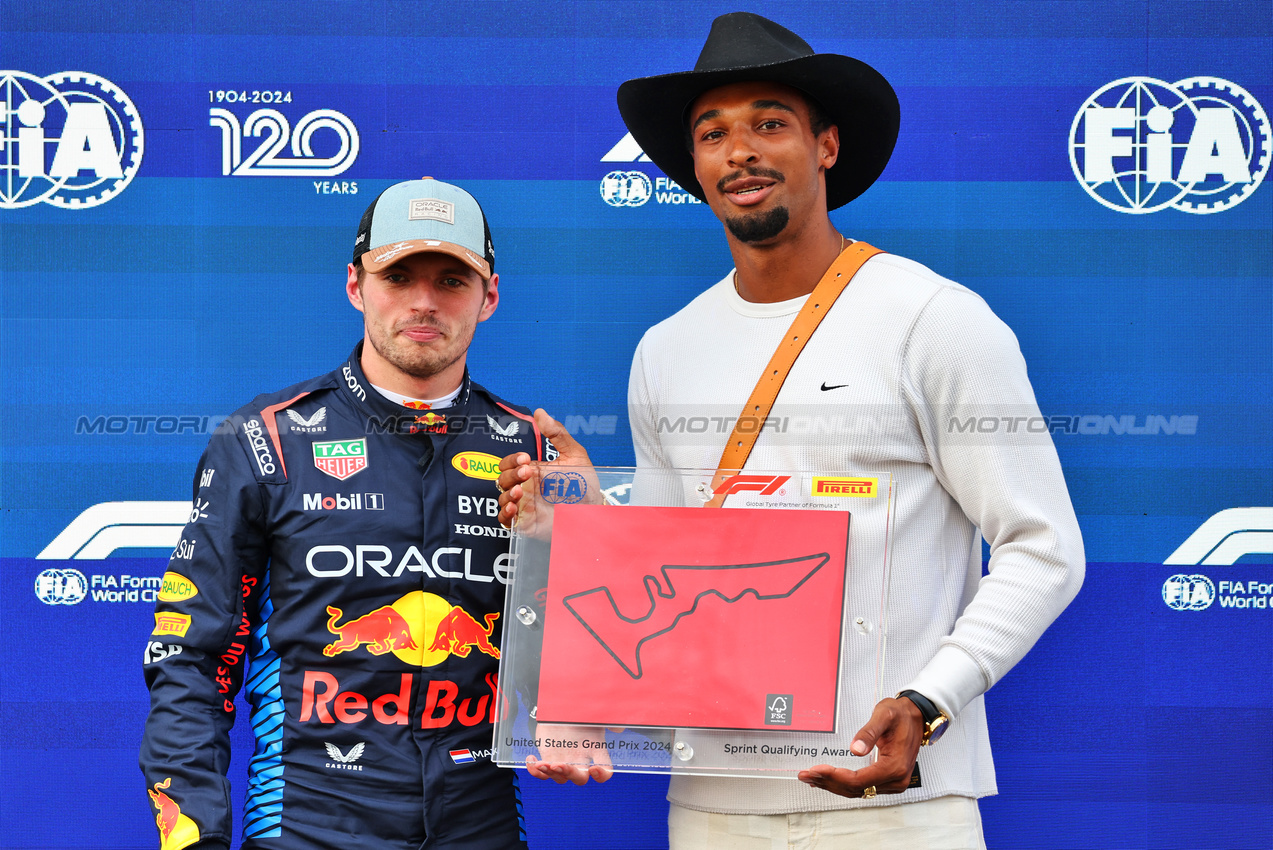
171,624
861,487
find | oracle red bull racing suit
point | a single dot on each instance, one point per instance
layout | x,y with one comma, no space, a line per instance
345,551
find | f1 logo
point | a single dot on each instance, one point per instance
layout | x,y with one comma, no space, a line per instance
766,485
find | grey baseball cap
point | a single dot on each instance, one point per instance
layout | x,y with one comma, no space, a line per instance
422,216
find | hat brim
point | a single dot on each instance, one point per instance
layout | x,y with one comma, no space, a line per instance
378,259
854,96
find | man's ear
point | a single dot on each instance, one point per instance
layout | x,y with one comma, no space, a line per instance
829,146
352,288
492,298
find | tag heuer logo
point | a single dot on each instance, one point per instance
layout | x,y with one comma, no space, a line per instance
341,458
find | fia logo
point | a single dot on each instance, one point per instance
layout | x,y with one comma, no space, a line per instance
565,488
634,188
1188,592
266,159
86,122
626,188
1200,145
61,587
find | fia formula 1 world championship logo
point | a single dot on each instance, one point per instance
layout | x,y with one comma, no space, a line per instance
71,139
1200,145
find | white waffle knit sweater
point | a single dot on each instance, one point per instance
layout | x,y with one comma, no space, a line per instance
888,383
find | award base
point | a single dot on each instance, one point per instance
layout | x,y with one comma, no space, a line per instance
652,635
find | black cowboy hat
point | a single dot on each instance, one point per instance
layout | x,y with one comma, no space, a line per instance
744,47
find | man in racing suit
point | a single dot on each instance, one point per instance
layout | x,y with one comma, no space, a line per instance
343,550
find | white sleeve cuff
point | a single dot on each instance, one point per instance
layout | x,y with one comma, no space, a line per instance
951,680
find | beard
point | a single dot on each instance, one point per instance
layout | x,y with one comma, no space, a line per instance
420,361
760,227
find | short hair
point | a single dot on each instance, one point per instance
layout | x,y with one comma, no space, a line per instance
361,272
819,121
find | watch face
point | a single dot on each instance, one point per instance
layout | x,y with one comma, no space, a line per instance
937,729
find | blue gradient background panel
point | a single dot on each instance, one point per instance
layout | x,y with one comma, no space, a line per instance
128,327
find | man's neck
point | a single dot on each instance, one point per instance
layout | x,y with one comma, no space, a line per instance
787,269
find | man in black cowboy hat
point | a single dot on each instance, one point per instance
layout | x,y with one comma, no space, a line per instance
771,136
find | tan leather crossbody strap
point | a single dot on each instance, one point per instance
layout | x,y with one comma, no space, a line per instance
750,420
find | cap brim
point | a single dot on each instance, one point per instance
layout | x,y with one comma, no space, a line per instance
855,97
378,259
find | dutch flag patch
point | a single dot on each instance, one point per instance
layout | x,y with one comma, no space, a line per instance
462,756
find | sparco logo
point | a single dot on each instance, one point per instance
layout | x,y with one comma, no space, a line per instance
266,161
260,446
1199,145
91,127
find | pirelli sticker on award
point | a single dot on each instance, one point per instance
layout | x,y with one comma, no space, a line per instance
860,487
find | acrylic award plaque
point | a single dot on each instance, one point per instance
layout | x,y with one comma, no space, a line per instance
673,620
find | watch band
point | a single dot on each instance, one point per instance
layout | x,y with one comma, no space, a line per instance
935,720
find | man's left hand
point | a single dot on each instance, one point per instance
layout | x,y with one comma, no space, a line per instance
896,727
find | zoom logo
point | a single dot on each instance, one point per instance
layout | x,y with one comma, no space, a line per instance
1200,145
71,139
285,151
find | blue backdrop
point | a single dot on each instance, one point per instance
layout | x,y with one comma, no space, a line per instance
179,187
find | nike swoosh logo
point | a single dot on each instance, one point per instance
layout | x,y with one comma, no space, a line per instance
836,387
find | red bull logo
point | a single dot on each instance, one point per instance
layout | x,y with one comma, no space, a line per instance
434,423
421,629
383,630
323,701
458,633
175,829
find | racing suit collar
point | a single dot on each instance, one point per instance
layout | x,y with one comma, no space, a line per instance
355,384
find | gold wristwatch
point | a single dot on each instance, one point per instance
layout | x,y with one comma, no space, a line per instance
935,720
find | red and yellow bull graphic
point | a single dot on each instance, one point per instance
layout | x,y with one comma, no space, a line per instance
861,487
422,629
168,623
175,829
434,423
382,630
477,465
